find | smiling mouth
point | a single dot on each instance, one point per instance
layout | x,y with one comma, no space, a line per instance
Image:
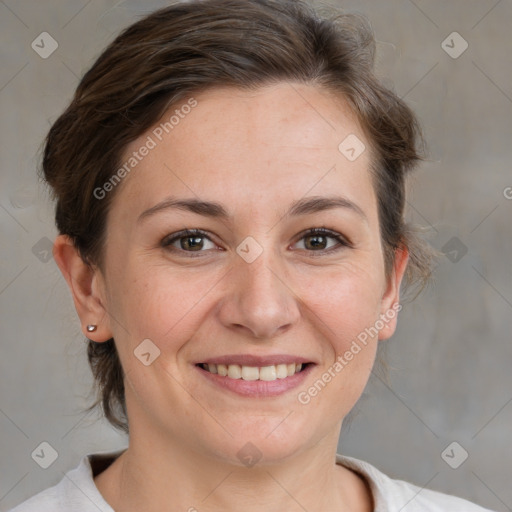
265,373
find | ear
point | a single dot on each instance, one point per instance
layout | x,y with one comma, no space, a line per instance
390,304
86,285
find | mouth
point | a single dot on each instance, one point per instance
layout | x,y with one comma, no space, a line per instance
258,377
251,373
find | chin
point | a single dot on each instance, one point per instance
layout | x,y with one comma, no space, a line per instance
262,441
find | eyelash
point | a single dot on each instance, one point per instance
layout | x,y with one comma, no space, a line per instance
187,233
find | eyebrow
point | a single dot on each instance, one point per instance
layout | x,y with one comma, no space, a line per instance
212,209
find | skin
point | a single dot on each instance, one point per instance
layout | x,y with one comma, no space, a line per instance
255,152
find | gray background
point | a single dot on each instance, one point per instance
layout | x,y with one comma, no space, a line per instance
450,375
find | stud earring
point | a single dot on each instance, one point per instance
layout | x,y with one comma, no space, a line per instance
91,328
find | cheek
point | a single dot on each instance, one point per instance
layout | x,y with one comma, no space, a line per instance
161,304
348,299
348,305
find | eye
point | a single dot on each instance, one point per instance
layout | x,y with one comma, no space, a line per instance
193,241
317,240
189,240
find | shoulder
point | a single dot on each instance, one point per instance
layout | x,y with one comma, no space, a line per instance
392,494
76,491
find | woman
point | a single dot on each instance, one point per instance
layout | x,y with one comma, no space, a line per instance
230,185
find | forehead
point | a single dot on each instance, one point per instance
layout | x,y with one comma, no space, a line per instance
252,145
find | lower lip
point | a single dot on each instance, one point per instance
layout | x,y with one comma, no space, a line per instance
258,388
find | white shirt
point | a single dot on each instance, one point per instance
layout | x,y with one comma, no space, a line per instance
77,492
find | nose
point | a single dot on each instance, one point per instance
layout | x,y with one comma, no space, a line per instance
259,299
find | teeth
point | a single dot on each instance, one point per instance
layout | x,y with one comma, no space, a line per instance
234,371
268,373
250,373
282,371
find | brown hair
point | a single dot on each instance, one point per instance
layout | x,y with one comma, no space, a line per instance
190,47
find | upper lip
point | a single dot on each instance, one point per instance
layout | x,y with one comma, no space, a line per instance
253,360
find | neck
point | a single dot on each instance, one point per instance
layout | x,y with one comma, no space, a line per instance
164,475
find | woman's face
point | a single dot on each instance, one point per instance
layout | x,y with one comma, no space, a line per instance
254,283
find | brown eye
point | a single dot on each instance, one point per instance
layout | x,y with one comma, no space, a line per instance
317,240
191,242
187,241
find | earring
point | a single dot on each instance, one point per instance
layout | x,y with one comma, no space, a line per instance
91,328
